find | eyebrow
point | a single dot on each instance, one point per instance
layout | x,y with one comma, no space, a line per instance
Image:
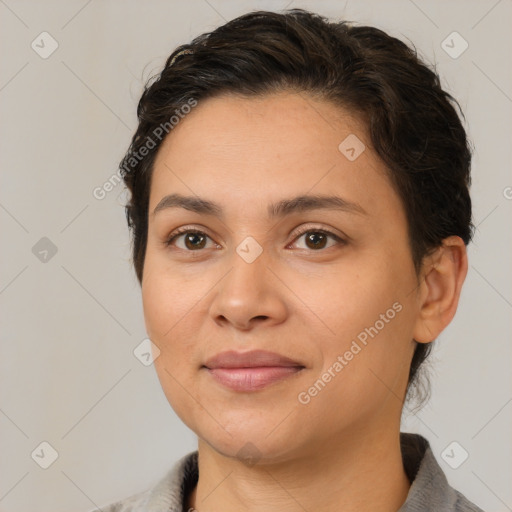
282,208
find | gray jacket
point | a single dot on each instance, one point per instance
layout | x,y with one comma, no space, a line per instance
429,492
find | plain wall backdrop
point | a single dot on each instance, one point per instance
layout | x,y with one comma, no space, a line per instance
70,303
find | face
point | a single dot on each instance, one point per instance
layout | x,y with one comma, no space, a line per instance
330,286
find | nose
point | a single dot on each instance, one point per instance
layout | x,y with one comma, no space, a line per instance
249,295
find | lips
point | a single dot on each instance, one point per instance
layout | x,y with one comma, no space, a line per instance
251,371
252,359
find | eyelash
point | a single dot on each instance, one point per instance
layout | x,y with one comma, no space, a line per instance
302,231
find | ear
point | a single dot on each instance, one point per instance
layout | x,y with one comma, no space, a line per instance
442,275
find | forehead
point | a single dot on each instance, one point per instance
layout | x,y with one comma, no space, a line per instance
267,148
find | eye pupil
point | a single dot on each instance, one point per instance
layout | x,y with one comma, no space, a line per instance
189,237
316,237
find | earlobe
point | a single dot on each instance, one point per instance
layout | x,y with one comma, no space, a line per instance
443,273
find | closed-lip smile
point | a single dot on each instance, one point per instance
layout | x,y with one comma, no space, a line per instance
252,370
251,359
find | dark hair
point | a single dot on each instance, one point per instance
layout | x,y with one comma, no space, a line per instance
413,125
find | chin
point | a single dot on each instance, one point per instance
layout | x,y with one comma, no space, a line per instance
251,450
249,439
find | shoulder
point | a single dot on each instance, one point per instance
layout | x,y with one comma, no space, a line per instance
166,495
430,490
132,503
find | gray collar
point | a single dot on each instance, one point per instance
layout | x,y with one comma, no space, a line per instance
429,492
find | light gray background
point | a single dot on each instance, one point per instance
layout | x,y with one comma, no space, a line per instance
69,325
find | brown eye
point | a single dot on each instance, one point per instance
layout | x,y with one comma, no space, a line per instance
192,240
317,239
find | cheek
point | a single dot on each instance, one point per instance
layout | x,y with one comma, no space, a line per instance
167,298
168,314
351,297
370,312
174,304
364,366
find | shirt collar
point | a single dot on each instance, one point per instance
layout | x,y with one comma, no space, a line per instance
429,491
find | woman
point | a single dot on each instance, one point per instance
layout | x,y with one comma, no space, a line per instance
300,214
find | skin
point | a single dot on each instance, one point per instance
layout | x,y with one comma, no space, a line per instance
341,450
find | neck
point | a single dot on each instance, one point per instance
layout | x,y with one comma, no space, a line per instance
364,472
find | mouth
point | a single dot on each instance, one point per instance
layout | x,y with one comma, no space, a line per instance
251,371
252,379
